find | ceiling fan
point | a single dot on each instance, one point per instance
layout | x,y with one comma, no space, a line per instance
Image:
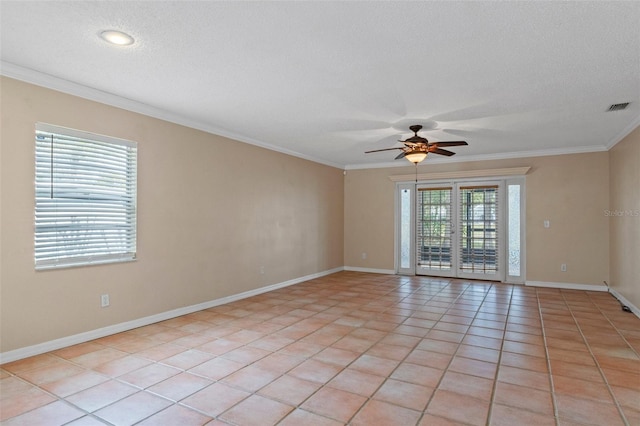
416,147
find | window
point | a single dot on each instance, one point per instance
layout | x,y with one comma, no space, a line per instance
515,229
405,223
405,229
85,210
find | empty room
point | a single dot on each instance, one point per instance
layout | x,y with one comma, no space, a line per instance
319,213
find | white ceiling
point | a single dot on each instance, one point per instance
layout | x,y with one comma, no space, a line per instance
329,80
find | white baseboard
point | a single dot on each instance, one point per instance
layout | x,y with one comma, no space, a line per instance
566,286
370,270
625,301
63,342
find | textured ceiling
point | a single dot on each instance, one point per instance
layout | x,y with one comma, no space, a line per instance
329,80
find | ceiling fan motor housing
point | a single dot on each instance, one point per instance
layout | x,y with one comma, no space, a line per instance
417,147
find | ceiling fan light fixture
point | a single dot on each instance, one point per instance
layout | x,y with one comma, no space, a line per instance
416,147
416,156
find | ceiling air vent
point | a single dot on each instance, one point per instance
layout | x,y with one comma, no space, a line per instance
618,107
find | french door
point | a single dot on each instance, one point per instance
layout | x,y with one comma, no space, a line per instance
460,229
457,230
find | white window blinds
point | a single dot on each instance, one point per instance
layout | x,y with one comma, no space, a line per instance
85,210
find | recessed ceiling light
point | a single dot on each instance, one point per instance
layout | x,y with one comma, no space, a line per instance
117,37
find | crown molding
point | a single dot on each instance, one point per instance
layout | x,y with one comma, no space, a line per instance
48,81
484,157
624,133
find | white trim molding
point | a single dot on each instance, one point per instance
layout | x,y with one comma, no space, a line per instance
63,342
370,270
48,81
461,158
624,133
566,286
513,171
623,300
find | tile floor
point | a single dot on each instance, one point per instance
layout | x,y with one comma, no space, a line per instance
351,348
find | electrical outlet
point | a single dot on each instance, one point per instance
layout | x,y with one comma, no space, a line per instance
261,270
563,267
104,300
364,256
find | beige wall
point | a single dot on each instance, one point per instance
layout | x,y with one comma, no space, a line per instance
624,217
571,191
211,212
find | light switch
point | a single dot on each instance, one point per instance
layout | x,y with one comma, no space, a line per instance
546,224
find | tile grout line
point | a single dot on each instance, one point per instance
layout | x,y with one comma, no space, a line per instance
556,412
458,348
595,360
498,364
298,406
413,348
252,393
403,298
58,398
616,327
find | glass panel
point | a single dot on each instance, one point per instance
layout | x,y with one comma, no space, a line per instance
479,229
434,229
513,245
405,228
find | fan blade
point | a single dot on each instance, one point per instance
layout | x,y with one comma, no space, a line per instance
452,143
386,149
401,155
409,143
442,152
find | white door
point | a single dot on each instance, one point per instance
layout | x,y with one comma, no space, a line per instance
458,230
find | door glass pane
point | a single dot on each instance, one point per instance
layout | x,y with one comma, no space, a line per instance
405,228
513,245
479,229
433,231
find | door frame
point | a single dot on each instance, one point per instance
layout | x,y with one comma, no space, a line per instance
401,266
